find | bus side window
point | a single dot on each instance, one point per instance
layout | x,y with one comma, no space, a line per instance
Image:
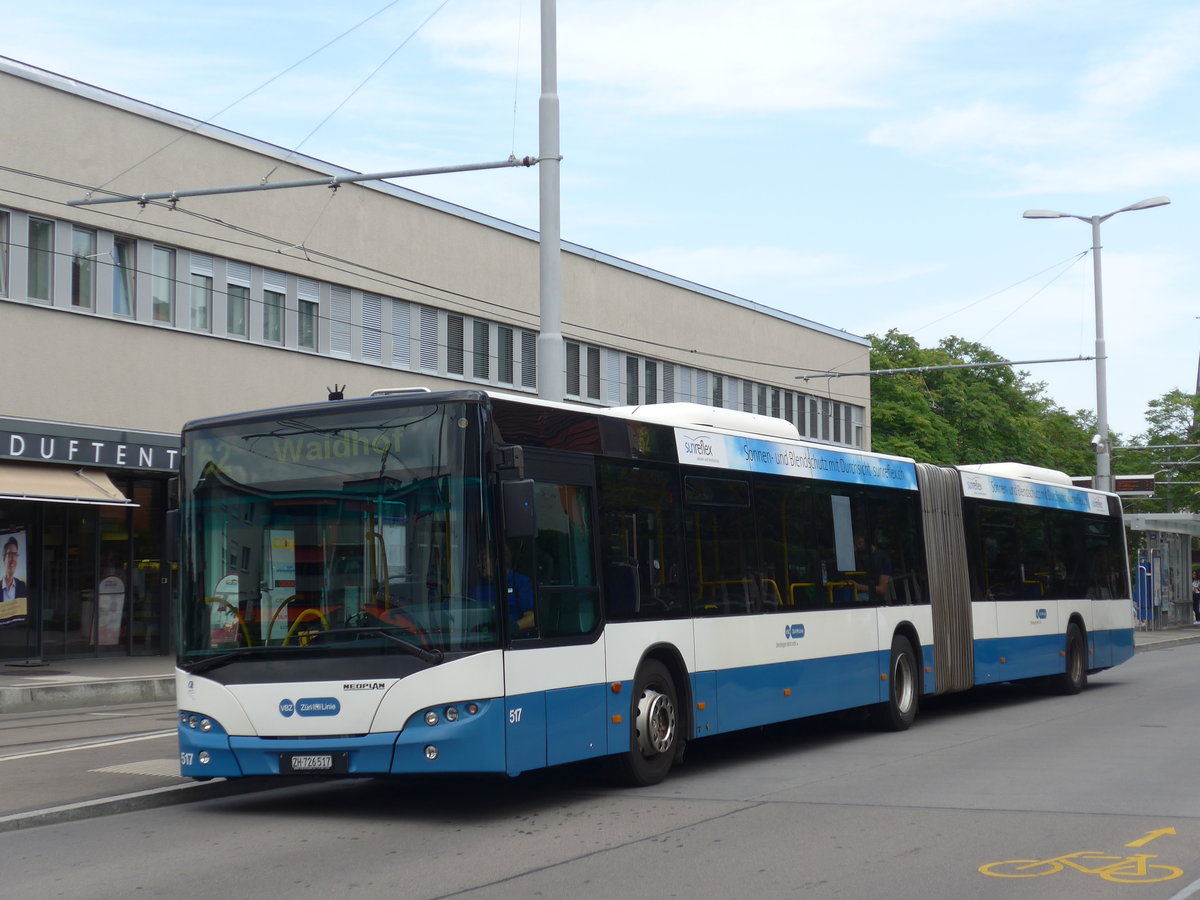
641,539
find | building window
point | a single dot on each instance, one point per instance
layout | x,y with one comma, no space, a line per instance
41,259
572,369
308,324
237,302
124,273
613,372
162,284
274,303
340,307
528,359
593,373
429,335
237,298
308,292
454,345
651,381
632,380
401,334
202,289
273,317
372,327
504,354
718,394
481,350
3,254
83,268
201,282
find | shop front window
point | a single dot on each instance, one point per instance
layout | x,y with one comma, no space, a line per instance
18,635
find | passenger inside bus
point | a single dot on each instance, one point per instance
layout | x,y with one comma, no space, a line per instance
877,588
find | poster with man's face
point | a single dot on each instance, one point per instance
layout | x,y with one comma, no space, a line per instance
14,588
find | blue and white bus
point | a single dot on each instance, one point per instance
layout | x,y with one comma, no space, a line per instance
467,582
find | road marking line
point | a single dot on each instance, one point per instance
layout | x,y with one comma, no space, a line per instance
148,736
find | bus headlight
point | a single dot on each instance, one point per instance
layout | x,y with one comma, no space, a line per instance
451,713
205,757
431,753
431,718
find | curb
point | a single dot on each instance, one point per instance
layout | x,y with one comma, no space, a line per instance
1166,643
154,798
113,691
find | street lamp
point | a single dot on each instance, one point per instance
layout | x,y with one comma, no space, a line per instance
1103,448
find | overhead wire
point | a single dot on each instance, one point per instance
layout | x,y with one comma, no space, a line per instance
251,93
359,86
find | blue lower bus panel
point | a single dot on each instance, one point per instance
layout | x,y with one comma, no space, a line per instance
459,742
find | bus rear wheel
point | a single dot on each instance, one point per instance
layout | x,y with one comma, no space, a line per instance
654,738
904,687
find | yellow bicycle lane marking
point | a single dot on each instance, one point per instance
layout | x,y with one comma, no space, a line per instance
1133,869
1151,835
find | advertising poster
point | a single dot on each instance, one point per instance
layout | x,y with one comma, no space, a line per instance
14,588
111,610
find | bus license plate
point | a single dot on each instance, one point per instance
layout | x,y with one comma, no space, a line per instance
313,763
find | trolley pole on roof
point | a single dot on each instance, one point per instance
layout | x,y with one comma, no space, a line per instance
551,352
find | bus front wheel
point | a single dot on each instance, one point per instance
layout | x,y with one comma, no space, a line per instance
1074,675
654,738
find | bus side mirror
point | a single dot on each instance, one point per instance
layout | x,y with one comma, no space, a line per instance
519,519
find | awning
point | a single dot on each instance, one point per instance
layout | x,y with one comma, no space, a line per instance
58,484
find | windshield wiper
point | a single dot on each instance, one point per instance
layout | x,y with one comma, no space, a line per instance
433,657
215,662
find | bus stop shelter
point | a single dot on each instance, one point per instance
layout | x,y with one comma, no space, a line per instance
1163,574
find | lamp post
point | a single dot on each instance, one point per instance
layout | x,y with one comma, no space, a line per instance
1103,448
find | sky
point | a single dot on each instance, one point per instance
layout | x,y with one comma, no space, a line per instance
861,163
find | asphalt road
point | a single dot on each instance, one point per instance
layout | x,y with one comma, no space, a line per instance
819,809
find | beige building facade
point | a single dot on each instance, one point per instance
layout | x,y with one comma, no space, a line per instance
120,322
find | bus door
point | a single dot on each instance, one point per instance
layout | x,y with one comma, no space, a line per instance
554,668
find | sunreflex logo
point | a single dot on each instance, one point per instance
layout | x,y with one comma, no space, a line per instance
699,445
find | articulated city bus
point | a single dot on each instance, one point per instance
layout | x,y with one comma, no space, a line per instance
468,582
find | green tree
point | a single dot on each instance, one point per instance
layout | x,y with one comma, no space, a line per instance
1169,451
969,415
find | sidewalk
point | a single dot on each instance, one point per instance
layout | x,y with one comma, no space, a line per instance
75,683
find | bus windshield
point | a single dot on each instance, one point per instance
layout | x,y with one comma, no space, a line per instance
335,531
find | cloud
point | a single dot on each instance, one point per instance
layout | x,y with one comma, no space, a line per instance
1152,67
716,58
1093,138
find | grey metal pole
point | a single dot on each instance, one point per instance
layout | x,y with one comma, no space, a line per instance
551,353
1103,449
